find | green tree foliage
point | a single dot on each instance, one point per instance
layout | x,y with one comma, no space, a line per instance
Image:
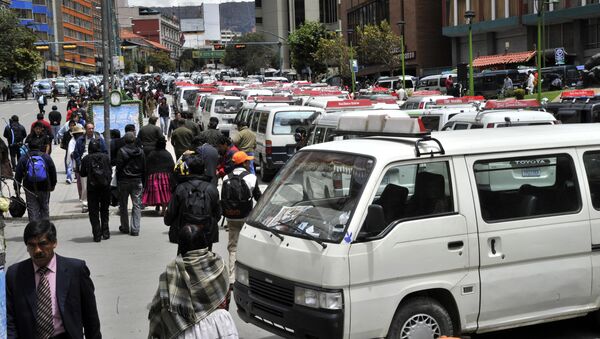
304,43
187,63
161,62
378,45
252,58
334,51
19,60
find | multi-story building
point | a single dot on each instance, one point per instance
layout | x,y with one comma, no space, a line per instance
506,26
78,27
200,25
426,50
154,26
227,36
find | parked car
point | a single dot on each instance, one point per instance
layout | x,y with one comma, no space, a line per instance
18,90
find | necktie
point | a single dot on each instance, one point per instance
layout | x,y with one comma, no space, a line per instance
44,324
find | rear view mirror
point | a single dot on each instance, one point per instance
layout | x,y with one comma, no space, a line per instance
374,222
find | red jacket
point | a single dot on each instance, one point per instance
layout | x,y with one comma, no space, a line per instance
46,125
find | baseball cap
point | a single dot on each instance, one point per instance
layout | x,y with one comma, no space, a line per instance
240,157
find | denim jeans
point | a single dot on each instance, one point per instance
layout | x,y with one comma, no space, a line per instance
252,170
164,124
38,205
55,130
130,188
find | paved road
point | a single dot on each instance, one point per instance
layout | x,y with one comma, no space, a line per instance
126,269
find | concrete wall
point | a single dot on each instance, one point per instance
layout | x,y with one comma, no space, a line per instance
212,22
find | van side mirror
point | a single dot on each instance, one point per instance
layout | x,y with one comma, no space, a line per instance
374,222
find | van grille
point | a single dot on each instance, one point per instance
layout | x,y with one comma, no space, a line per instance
272,291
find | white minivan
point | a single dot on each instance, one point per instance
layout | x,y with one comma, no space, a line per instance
434,83
224,108
431,235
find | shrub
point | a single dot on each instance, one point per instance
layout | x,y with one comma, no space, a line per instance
519,93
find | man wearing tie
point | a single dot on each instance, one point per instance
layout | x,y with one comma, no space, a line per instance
49,296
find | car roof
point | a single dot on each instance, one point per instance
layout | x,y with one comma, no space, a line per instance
499,115
331,119
289,108
432,98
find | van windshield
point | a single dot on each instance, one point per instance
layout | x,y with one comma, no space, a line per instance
287,122
227,106
315,194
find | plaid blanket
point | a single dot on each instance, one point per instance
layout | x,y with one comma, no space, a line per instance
191,288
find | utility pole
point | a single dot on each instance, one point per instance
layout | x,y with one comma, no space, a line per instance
106,57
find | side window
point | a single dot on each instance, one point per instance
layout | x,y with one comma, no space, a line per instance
416,190
518,188
262,123
255,118
318,135
458,126
591,161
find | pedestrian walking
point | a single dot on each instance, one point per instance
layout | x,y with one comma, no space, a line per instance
226,151
196,202
159,169
245,141
212,134
5,93
530,82
48,295
39,131
81,150
55,120
42,102
449,85
210,157
173,124
181,139
71,167
37,174
72,103
507,87
239,187
192,296
55,94
149,134
6,170
15,135
96,168
118,143
130,173
46,123
164,112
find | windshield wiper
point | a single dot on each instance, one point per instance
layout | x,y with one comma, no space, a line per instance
270,229
310,236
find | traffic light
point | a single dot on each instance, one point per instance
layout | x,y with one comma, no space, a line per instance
218,47
239,46
70,46
42,47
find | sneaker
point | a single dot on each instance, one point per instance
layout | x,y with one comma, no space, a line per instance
97,239
84,209
69,181
124,230
134,234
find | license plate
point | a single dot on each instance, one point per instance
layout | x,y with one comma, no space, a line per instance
531,172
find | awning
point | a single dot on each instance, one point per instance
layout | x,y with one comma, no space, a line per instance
503,59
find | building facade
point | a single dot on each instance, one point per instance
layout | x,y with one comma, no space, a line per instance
427,51
506,26
77,26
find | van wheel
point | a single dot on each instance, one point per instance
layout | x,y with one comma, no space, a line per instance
265,174
421,318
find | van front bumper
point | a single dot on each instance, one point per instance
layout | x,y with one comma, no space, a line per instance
269,309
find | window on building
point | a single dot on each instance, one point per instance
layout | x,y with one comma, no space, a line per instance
258,3
259,20
328,11
299,10
41,18
592,40
24,13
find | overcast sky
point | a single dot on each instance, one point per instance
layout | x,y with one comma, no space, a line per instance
171,3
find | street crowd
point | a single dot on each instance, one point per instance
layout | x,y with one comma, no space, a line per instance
192,299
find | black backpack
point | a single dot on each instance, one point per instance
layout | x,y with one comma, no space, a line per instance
197,206
99,173
236,198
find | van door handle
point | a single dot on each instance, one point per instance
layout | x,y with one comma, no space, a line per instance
455,245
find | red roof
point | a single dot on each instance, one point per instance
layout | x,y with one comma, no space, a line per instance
127,34
159,46
503,59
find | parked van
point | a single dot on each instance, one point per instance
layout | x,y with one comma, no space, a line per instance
245,94
434,82
224,108
499,118
274,128
183,98
569,74
426,236
418,102
395,82
490,83
246,115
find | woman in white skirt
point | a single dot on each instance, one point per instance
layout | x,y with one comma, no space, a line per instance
192,296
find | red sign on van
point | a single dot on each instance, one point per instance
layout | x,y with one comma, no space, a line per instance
578,93
425,93
349,103
461,100
516,104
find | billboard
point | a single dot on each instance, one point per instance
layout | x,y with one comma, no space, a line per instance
129,112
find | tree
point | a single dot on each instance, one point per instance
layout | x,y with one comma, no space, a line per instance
161,62
333,51
304,43
187,63
377,44
251,58
19,60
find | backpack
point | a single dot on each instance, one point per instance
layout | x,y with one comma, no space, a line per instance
36,169
236,198
197,206
97,173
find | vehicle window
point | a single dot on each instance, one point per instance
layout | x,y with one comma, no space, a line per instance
591,160
287,122
254,123
262,122
203,101
318,133
416,190
315,194
208,104
189,95
458,126
227,106
515,188
384,84
431,122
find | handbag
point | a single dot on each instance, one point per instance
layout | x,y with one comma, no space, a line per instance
17,207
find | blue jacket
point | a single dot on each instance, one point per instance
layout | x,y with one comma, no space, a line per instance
80,147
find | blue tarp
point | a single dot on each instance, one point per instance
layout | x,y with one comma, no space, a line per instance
21,4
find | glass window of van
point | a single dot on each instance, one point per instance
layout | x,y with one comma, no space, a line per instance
227,106
262,122
287,122
524,187
318,135
254,123
591,161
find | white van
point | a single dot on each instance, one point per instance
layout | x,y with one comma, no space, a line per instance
395,82
499,118
184,98
245,94
434,82
465,237
223,107
274,128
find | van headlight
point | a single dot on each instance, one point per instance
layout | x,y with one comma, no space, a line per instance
241,276
318,299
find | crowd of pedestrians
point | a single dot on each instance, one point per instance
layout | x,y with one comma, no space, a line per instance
138,167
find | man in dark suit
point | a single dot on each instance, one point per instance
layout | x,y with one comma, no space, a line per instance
49,296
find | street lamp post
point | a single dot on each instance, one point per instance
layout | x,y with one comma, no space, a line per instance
401,29
539,51
350,31
280,45
469,15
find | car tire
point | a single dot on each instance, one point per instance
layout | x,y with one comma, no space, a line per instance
265,174
420,316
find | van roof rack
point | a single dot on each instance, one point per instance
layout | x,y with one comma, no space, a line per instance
421,137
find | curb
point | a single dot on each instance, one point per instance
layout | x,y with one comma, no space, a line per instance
52,217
